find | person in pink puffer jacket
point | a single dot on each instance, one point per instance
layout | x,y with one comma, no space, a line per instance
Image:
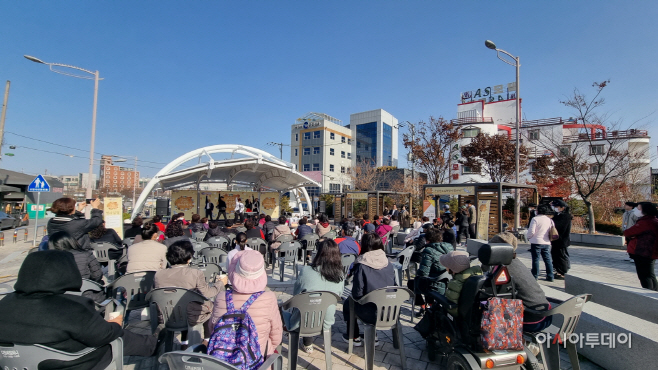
247,276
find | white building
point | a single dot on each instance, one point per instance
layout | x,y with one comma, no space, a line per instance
498,117
79,181
321,148
375,136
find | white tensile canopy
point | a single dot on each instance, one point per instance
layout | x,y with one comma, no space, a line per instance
247,166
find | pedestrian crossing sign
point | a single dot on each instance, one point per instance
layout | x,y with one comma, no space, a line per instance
39,184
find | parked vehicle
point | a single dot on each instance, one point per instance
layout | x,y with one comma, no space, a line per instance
8,221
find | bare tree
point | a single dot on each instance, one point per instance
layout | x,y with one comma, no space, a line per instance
592,151
494,155
364,175
432,147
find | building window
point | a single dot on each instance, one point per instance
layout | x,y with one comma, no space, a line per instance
307,151
316,150
596,150
471,132
331,151
296,152
366,142
596,168
316,166
316,134
307,136
331,168
349,155
342,139
342,154
349,141
334,188
467,170
533,135
533,167
565,150
307,167
296,137
342,169
332,136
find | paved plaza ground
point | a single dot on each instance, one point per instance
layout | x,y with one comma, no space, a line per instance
607,264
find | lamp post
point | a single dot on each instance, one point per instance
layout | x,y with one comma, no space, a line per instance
96,78
517,63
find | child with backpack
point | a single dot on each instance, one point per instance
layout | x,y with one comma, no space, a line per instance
245,340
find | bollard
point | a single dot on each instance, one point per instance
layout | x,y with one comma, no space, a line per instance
44,231
2,239
15,235
25,237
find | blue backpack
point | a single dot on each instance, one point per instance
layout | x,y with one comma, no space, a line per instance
235,338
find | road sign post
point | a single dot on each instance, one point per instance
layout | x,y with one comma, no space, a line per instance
38,185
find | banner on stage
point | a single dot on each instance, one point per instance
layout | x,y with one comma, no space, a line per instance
185,201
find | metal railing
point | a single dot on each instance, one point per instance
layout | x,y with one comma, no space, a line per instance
545,121
465,120
610,135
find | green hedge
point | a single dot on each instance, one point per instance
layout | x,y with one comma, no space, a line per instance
608,227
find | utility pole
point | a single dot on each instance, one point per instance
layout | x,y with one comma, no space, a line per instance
3,115
280,147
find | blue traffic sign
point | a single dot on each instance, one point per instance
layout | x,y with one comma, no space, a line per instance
39,184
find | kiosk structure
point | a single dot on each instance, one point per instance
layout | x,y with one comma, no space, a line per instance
344,203
487,199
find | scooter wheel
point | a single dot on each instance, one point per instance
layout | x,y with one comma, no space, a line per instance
431,350
457,362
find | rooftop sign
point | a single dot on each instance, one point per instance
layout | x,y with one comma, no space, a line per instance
490,94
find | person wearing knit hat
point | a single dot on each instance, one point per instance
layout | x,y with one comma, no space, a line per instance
458,264
247,275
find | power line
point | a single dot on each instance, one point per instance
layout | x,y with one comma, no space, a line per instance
68,147
67,155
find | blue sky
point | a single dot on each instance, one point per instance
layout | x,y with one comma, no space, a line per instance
182,75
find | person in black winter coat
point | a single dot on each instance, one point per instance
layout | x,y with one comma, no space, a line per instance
559,247
371,271
101,234
87,263
67,219
462,225
39,312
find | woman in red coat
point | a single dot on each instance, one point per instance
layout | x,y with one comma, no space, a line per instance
643,244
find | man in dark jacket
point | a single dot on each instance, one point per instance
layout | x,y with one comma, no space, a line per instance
209,209
252,230
533,297
303,229
74,222
559,247
221,208
39,312
268,228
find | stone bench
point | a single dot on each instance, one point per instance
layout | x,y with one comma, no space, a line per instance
598,240
598,319
638,302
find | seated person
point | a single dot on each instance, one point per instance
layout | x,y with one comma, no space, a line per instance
325,273
430,266
346,243
149,254
213,231
280,229
323,225
240,245
268,228
505,237
533,297
39,312
369,229
394,220
252,230
196,224
157,221
366,220
181,275
303,229
416,230
135,229
88,265
459,266
371,271
247,276
101,234
174,233
228,227
383,229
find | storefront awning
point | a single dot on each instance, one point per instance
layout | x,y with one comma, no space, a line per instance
7,189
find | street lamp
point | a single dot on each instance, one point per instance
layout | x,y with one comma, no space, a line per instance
93,118
517,63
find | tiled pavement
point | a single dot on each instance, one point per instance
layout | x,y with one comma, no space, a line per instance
608,264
